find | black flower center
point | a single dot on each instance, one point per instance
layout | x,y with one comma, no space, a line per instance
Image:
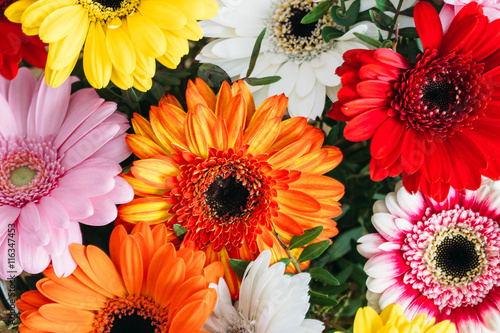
440,95
114,4
457,256
298,29
227,197
131,324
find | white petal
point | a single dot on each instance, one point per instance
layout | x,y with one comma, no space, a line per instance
305,80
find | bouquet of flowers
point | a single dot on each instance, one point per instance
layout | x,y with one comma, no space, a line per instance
257,166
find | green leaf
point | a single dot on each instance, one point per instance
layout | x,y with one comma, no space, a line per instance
381,20
261,81
307,237
342,243
213,75
321,299
314,250
179,230
349,17
239,266
368,39
255,52
323,275
286,261
329,33
332,135
364,16
318,12
408,32
386,44
335,290
385,5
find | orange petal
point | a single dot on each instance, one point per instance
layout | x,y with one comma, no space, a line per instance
263,136
35,319
287,155
68,297
160,130
145,230
273,107
298,200
144,147
32,299
65,315
240,87
206,119
151,210
169,280
173,119
221,139
163,255
225,96
154,171
115,242
132,270
142,127
319,186
287,224
184,321
184,292
193,97
84,279
140,188
290,130
195,136
214,272
235,115
161,236
206,92
331,161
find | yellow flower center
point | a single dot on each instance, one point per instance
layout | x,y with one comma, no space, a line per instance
109,12
294,39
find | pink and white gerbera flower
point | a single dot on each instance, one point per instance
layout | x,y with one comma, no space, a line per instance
440,259
59,155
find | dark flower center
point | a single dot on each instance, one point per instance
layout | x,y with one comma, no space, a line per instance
115,4
298,29
441,95
131,324
227,197
457,256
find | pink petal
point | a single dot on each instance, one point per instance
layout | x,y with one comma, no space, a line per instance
122,192
59,241
104,212
103,112
48,109
64,264
92,177
8,214
54,212
466,320
34,227
115,149
82,104
422,305
392,294
368,246
89,144
29,218
33,259
8,126
489,311
379,285
20,95
77,205
385,265
413,205
446,15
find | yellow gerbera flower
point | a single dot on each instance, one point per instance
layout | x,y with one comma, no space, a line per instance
121,38
393,320
234,176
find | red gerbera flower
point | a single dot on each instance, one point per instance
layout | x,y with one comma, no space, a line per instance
437,123
15,45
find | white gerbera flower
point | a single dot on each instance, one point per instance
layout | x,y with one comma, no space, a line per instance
296,52
269,302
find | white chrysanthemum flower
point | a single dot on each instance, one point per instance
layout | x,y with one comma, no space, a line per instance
269,302
296,52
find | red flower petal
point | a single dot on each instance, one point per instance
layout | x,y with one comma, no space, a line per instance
363,126
428,25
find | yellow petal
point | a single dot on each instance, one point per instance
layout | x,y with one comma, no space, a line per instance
154,171
367,321
96,62
35,14
146,36
122,80
191,31
58,25
15,11
63,52
56,77
163,14
152,210
121,50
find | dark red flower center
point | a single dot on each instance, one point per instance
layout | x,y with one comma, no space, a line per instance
222,201
441,95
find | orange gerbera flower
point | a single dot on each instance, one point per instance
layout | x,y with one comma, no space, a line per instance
146,286
233,176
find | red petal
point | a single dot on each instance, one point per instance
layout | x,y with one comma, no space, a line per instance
391,58
374,88
363,126
413,151
358,106
461,28
428,25
386,137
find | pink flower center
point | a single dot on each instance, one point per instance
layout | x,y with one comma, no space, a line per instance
29,170
441,95
453,256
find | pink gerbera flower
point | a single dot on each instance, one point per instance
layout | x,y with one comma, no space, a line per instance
440,259
59,155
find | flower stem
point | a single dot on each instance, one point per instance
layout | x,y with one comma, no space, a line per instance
290,255
398,10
